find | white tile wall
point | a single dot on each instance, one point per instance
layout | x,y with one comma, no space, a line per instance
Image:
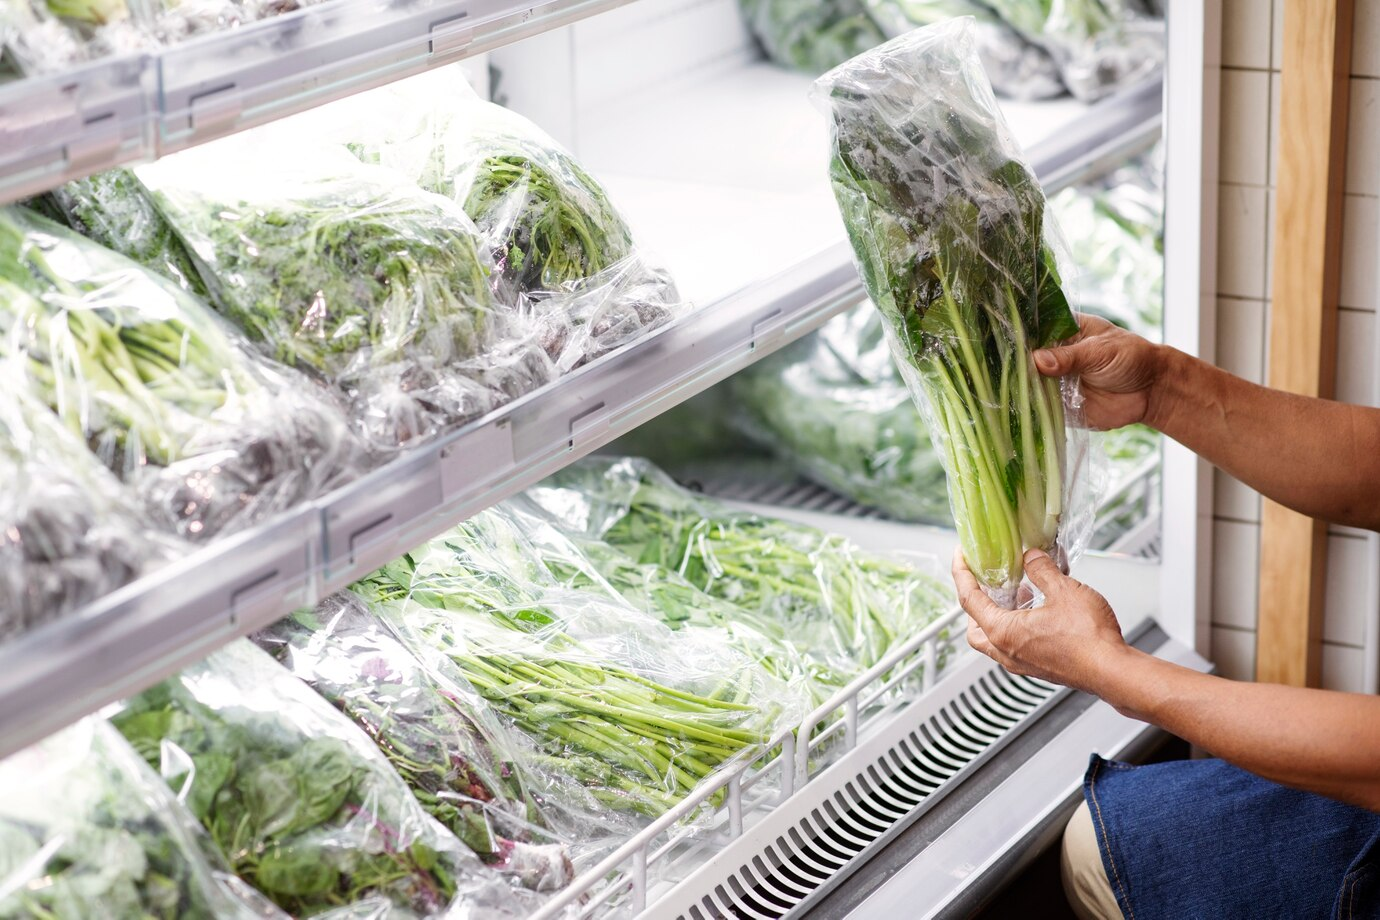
1236,560
1363,138
1359,248
1241,232
1274,129
1365,39
1247,42
1245,126
1233,650
1276,36
1355,356
1241,337
1343,667
1346,613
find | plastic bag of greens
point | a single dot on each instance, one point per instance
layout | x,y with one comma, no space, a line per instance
69,532
637,714
843,609
1099,45
436,733
47,37
354,274
213,438
305,807
113,208
950,233
583,563
87,830
835,408
553,234
812,35
1018,69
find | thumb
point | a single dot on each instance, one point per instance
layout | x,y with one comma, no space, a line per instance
1055,362
1043,571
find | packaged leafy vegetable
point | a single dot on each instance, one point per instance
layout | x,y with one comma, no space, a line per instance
954,246
841,608
354,274
438,734
69,532
87,832
302,804
212,438
637,714
552,232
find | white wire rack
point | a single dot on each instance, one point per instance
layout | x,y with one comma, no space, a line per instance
650,861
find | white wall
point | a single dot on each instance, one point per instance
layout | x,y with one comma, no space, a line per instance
1251,40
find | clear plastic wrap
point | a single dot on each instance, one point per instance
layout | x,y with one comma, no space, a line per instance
841,608
113,208
949,229
635,714
88,831
351,272
304,806
47,37
435,732
1098,45
212,438
554,236
69,532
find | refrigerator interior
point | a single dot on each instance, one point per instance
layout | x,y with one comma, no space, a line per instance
719,161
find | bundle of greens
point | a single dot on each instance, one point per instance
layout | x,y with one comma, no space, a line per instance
44,37
554,236
87,831
638,714
113,209
301,803
69,532
949,229
1098,45
212,438
352,273
436,733
842,609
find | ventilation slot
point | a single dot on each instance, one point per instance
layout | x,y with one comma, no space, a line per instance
838,834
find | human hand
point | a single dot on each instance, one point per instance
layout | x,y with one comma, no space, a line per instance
1118,372
1068,640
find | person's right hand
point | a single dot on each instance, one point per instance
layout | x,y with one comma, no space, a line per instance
1118,372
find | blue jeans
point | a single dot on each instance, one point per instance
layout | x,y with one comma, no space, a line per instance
1201,838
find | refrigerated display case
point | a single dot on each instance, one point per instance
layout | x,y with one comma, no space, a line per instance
719,162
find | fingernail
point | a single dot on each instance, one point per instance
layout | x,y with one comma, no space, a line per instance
1033,553
1044,360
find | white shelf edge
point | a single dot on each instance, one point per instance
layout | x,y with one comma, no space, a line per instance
147,630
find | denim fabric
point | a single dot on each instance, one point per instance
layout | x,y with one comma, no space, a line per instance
1201,838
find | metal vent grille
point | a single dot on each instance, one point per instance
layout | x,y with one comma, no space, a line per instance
844,829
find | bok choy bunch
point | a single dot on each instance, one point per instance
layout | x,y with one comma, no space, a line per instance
948,227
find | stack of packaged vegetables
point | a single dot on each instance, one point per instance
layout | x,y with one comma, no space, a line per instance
1030,49
364,306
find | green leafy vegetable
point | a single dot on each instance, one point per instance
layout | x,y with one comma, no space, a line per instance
302,805
145,374
87,831
948,227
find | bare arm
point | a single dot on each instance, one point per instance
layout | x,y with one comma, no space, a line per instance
1318,740
1319,457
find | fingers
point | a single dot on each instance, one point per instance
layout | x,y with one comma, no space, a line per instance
1078,355
1043,572
971,597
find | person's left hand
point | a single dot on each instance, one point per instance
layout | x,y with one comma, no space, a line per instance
1071,639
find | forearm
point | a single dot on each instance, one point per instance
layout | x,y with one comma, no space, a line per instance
1318,740
1313,455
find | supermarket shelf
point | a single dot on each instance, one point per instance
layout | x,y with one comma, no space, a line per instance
149,629
139,107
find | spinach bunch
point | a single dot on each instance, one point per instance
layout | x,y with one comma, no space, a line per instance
88,831
351,273
213,438
948,227
436,734
842,609
302,806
